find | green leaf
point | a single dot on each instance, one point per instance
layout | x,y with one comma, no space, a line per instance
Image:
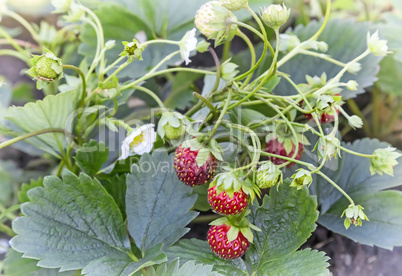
287,218
301,263
181,94
69,223
391,66
51,112
188,250
91,156
157,203
123,265
384,228
202,203
189,268
15,265
354,177
116,187
346,40
23,193
7,181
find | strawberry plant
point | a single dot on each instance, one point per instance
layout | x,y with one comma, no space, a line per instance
147,132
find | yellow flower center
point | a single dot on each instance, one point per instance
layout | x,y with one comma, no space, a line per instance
137,140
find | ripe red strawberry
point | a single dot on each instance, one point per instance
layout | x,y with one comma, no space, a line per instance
275,147
325,117
218,241
224,204
187,169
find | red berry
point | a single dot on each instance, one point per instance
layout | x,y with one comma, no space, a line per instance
218,241
325,117
275,147
187,169
224,205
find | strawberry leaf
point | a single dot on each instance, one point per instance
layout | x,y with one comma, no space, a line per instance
88,223
91,156
157,203
189,250
384,228
287,218
15,265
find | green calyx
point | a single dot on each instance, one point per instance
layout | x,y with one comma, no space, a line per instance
45,68
238,223
354,215
332,147
301,179
133,50
232,182
204,151
384,161
172,125
268,175
282,133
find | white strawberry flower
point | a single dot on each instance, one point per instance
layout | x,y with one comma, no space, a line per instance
141,140
377,46
187,44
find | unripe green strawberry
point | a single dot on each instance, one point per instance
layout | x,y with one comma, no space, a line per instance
268,175
235,5
44,68
173,133
172,125
214,21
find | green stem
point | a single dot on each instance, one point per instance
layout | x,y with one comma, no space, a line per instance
29,135
12,42
226,50
121,67
356,153
218,69
170,70
7,230
252,52
8,52
322,56
249,28
152,94
321,29
207,103
9,212
336,186
117,61
270,71
355,109
223,112
204,219
24,23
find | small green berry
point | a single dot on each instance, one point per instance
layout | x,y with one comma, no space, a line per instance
173,133
44,68
268,175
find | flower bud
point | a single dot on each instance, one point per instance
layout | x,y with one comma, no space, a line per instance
229,70
384,161
202,46
172,125
214,21
354,215
322,46
268,175
275,16
301,178
377,46
235,5
352,85
288,42
354,68
355,121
